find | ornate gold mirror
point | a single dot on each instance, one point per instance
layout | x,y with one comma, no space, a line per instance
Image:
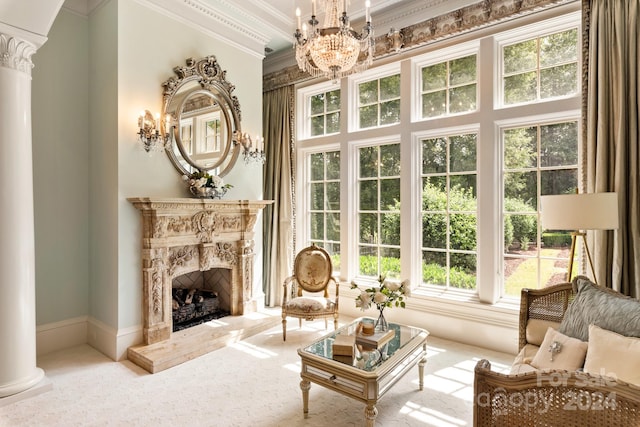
204,117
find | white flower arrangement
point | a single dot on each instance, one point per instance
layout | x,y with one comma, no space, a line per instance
388,294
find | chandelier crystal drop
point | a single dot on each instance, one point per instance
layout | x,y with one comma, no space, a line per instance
334,50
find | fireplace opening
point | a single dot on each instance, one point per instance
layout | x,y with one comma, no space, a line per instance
199,297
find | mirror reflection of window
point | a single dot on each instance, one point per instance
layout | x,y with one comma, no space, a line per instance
186,134
211,131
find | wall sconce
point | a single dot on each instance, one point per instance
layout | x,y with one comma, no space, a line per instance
149,132
250,153
395,40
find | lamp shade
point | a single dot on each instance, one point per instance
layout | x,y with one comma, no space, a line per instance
587,211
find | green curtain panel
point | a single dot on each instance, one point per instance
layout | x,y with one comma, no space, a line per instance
278,110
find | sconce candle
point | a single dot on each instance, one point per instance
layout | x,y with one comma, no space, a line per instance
149,132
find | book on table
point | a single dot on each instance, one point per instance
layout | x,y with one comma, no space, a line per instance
377,340
343,345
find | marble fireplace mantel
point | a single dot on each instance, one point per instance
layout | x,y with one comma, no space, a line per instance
184,235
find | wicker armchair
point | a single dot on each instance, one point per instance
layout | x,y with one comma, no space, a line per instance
312,277
550,398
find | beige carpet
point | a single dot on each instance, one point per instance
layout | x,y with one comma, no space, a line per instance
254,382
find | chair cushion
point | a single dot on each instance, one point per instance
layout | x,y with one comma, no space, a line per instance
537,328
521,363
570,356
310,304
598,306
613,355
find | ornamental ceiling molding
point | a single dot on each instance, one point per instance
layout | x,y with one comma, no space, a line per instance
460,21
16,54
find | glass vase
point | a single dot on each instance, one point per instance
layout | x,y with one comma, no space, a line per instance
381,323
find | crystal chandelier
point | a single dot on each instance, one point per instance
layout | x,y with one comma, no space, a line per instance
334,50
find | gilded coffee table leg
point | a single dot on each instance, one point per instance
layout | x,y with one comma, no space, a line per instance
421,364
370,414
305,386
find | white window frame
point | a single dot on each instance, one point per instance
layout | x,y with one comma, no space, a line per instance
551,26
303,122
353,95
432,58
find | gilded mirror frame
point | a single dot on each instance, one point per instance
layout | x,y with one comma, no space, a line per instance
203,78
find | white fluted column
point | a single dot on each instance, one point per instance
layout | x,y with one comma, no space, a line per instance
18,370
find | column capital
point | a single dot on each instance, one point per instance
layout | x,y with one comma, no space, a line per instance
16,53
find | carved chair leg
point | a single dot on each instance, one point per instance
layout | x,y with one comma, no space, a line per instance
284,329
299,322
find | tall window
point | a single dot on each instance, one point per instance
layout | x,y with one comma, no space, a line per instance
379,210
379,102
538,160
449,211
540,68
324,197
449,87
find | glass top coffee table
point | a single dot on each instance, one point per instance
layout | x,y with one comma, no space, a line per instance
370,372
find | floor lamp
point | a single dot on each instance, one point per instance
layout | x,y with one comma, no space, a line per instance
579,212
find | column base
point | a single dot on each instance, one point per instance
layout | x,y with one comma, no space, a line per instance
23,387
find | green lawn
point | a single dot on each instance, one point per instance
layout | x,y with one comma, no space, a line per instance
525,274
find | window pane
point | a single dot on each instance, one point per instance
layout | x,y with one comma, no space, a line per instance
462,274
368,261
368,116
317,226
391,229
434,77
434,268
368,162
559,48
333,165
333,100
462,99
463,153
369,195
434,104
317,196
333,226
561,181
434,231
368,228
520,148
462,70
390,160
368,92
559,144
521,186
333,122
463,232
389,193
390,112
434,195
434,155
559,81
317,166
333,196
466,183
390,262
390,87
317,104
520,88
317,125
520,57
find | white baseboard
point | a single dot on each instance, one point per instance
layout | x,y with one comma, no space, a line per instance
86,330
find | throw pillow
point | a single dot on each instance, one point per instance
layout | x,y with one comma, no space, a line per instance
613,355
559,351
602,307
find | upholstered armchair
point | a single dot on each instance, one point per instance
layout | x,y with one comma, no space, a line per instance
306,291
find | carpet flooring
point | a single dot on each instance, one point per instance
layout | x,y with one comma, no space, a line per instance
254,382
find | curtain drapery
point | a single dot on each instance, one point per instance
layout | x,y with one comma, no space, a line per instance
610,142
278,105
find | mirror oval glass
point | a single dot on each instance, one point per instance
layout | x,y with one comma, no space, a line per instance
204,118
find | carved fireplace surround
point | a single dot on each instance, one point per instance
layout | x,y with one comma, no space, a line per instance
184,235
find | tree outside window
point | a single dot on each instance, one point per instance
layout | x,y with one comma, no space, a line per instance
379,102
324,109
